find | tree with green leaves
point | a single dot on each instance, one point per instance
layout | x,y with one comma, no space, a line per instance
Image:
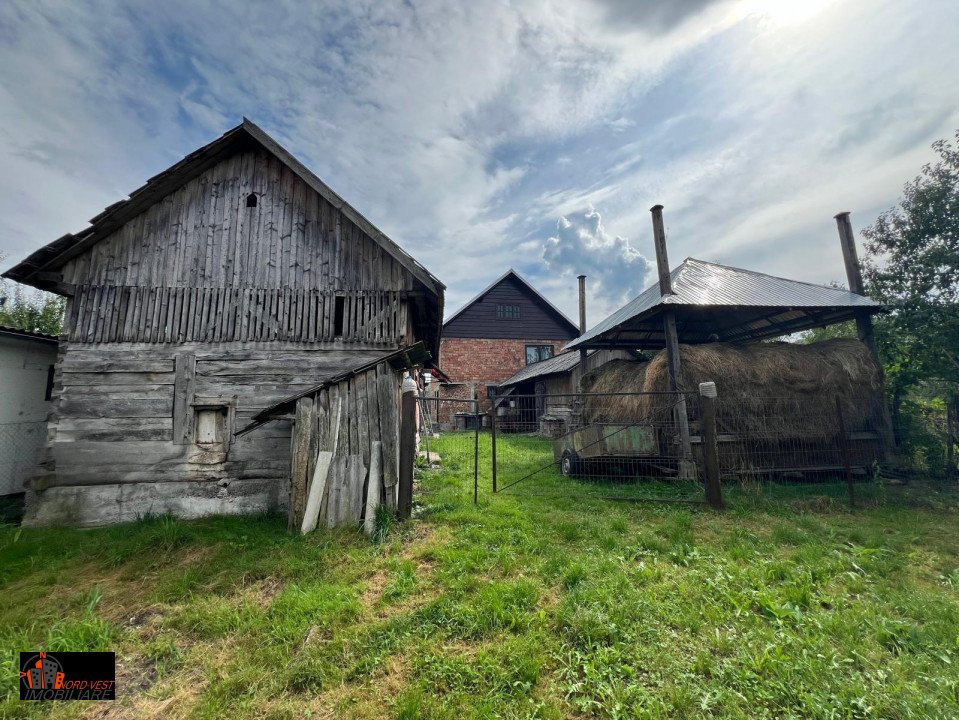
912,265
30,310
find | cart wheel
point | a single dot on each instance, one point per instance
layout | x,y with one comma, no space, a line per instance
569,464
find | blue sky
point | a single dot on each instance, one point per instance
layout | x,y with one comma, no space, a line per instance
481,136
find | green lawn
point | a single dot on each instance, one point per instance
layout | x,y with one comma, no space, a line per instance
550,603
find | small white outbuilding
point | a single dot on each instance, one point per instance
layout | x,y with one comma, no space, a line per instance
27,360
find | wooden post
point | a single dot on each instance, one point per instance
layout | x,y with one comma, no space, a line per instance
302,431
844,449
850,258
864,329
492,427
407,448
714,493
582,322
687,468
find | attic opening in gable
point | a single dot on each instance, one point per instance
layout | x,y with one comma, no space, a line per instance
251,200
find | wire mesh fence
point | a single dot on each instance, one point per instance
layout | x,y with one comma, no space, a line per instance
449,425
594,444
20,442
802,451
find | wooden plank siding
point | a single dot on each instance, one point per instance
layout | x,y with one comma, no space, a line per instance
204,235
101,314
201,310
479,319
353,414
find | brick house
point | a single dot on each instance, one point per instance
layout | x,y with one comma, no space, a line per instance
504,328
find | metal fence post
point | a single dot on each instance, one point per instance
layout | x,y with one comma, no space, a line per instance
492,427
476,425
404,505
844,449
714,496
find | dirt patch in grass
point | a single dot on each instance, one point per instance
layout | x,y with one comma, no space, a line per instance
374,589
263,591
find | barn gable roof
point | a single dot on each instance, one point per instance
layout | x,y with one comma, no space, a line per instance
32,270
735,304
541,299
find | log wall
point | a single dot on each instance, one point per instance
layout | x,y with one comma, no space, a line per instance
118,409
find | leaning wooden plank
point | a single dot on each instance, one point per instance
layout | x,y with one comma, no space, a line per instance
355,477
311,515
334,509
374,486
302,428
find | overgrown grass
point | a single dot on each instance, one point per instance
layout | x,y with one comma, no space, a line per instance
549,603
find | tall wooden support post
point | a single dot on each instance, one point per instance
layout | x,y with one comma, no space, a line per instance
582,323
850,258
302,433
687,468
404,505
864,328
714,493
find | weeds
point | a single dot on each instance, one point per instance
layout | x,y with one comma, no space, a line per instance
527,606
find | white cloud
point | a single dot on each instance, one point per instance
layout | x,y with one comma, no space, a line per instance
464,130
581,246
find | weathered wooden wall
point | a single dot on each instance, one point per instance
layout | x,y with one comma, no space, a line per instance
356,412
101,313
204,235
202,299
116,413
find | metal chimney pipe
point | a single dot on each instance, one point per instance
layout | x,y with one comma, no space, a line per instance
582,304
662,261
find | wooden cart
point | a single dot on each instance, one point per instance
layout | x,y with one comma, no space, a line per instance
604,444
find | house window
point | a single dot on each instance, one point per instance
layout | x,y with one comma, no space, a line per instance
490,391
210,427
507,312
251,200
535,353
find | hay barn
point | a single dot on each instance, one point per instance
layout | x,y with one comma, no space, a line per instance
707,322
227,283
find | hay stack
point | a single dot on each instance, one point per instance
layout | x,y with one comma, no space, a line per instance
769,390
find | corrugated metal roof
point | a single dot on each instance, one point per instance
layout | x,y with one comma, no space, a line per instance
701,284
28,334
564,362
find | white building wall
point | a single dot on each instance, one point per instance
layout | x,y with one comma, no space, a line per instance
24,367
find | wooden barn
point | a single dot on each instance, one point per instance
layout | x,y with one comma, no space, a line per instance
227,283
